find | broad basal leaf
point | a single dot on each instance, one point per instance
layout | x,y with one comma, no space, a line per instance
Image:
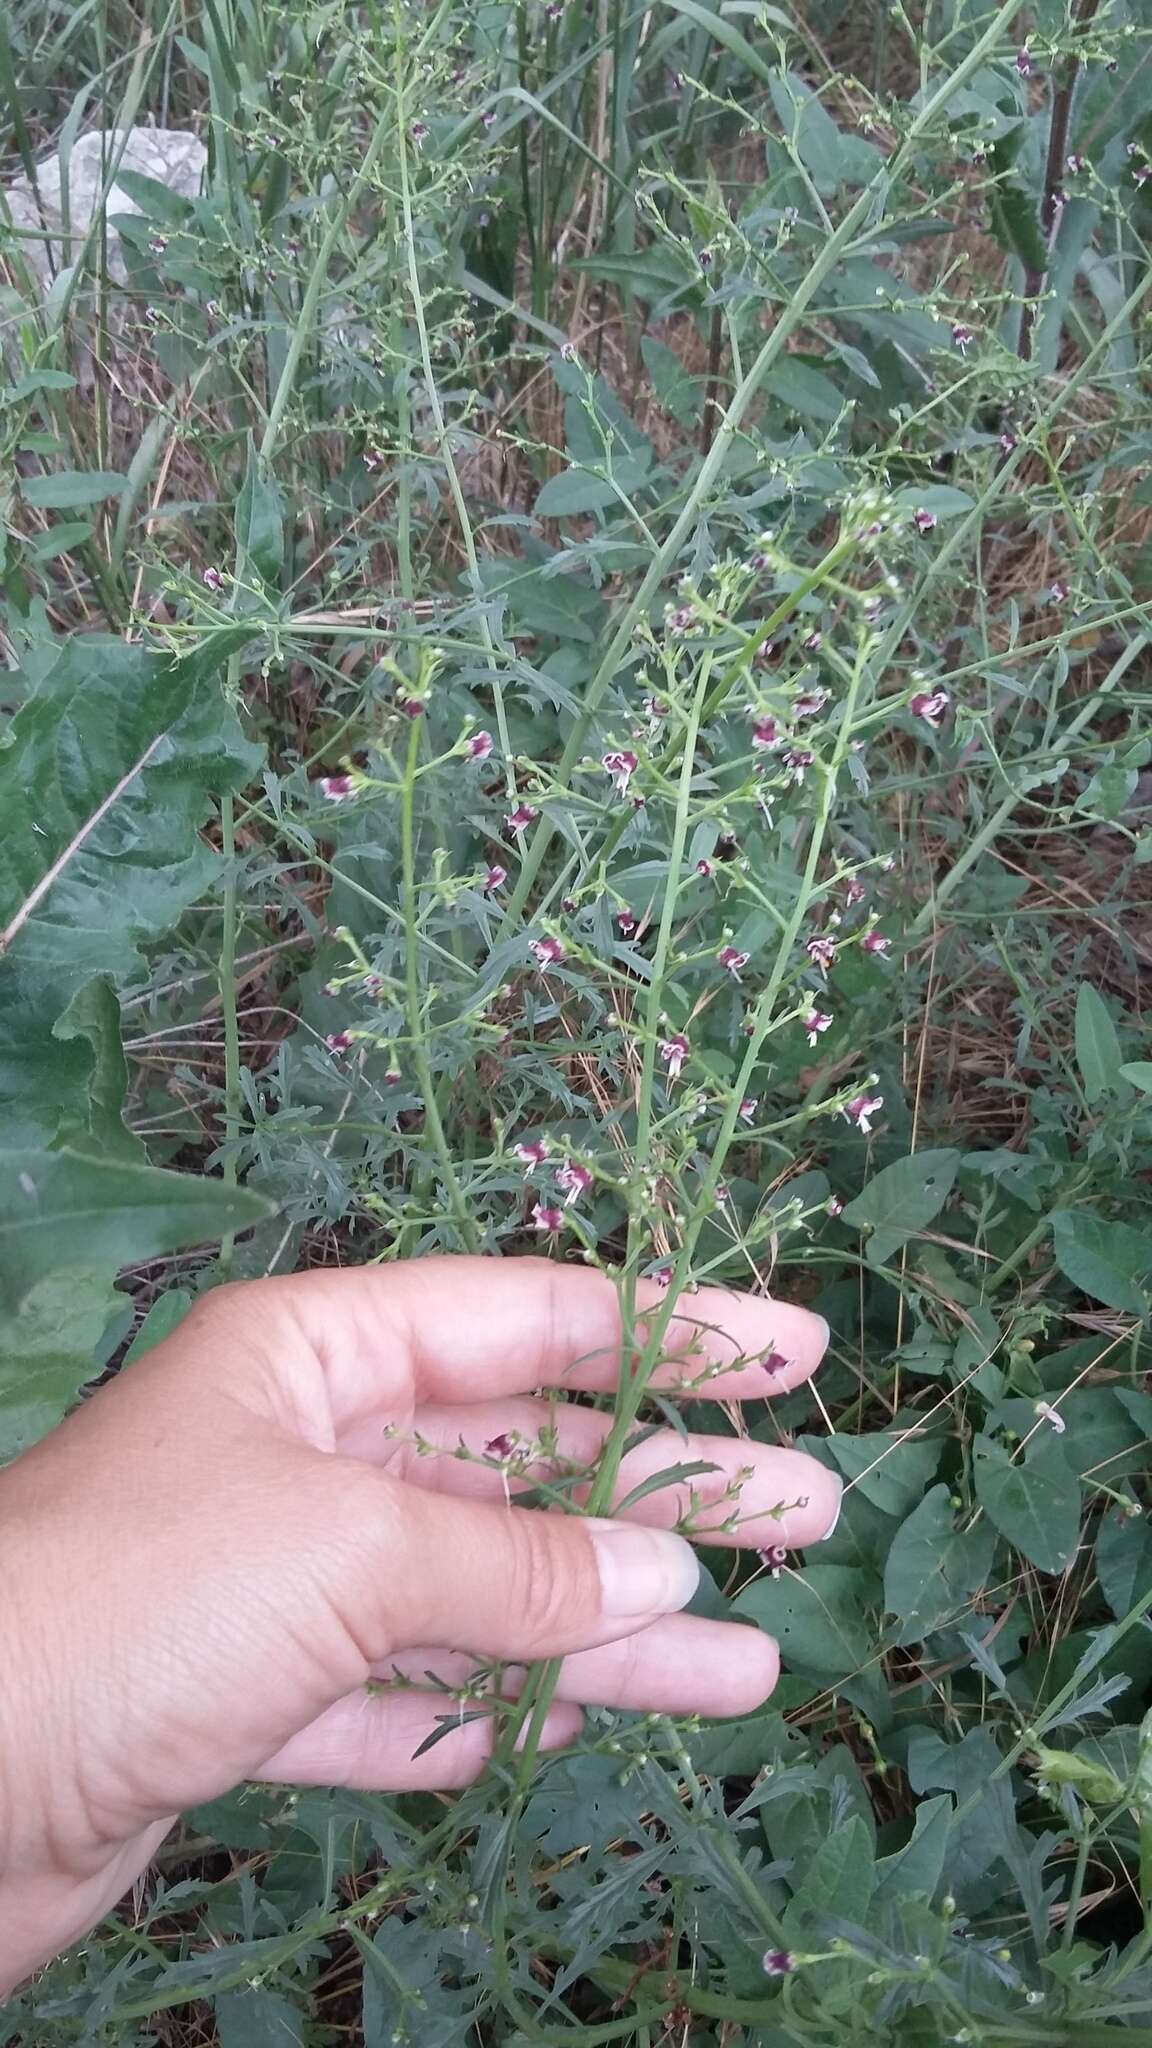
818,1616
1033,1500
935,1566
901,1199
1097,1046
68,1223
111,767
888,1468
100,1213
1124,1560
1111,1262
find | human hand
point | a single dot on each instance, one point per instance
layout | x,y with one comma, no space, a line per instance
202,1568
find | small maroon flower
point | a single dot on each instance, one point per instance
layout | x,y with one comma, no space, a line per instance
1142,173
775,1555
875,942
488,119
1076,163
1008,442
705,868
502,1446
337,787
392,1077
962,336
549,950
625,923
338,1041
797,760
1024,63
157,244
547,1220
532,1153
412,707
663,1276
704,259
766,734
821,951
373,458
732,960
923,521
495,878
815,1022
861,1110
810,703
778,1963
655,709
1058,593
621,766
523,816
479,746
748,1108
834,1206
680,618
930,705
212,579
575,1181
854,891
674,1052
418,132
812,642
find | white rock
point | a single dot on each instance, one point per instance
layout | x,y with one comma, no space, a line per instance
173,156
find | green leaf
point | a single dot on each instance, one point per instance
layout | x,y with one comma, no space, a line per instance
1139,1072
804,390
66,489
828,154
1124,1560
1097,1046
901,1199
919,1866
818,1616
574,490
258,2018
259,524
676,388
889,1469
935,1566
837,1878
49,1346
1015,224
1034,1501
102,1213
1110,1262
165,1315
110,769
60,539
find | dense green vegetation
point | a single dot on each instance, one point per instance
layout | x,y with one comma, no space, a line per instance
592,587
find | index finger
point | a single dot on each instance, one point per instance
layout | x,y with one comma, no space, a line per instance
467,1329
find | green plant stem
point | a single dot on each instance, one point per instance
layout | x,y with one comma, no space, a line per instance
443,443
417,1036
230,1019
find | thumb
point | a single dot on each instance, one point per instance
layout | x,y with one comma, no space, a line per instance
508,1582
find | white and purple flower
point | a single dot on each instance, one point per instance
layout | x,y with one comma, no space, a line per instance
861,1110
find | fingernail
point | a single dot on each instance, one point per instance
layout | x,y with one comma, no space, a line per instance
831,1529
643,1572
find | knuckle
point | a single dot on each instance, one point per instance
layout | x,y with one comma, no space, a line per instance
554,1580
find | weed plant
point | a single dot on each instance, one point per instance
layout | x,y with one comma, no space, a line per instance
577,667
